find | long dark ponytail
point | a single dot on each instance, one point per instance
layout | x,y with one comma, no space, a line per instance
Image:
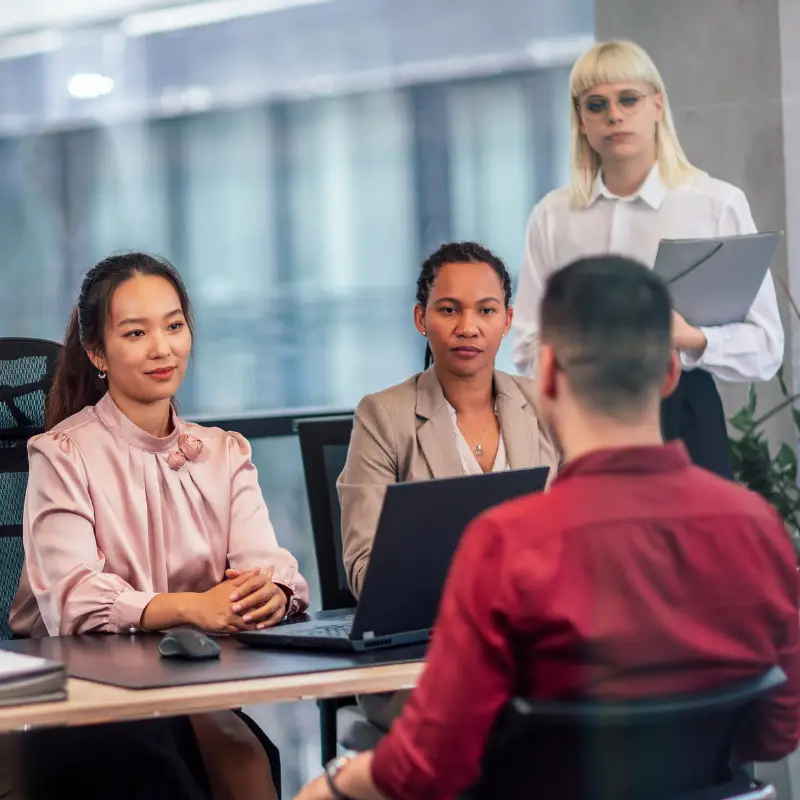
457,253
76,382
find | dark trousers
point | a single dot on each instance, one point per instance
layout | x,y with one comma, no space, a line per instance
693,413
154,759
150,760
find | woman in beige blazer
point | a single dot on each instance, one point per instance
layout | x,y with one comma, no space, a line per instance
460,416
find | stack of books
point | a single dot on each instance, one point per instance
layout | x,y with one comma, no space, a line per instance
27,679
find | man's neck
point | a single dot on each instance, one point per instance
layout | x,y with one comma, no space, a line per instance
152,418
592,433
624,178
470,394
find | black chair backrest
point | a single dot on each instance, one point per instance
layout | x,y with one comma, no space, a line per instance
323,445
26,371
660,749
13,483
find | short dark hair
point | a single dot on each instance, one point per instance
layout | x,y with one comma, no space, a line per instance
458,253
609,320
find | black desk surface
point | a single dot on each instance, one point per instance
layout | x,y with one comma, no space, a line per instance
133,661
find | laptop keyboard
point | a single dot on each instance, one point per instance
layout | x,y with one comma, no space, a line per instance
339,629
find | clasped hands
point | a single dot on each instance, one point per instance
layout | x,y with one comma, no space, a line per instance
245,600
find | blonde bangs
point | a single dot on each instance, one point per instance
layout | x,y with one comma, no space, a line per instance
614,62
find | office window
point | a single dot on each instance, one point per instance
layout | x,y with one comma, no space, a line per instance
33,237
298,226
224,196
116,196
492,164
350,245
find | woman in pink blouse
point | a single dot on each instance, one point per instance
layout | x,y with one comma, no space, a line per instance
138,520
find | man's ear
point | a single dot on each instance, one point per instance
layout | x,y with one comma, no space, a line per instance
673,376
547,371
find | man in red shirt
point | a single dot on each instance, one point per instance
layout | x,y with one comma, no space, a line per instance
637,575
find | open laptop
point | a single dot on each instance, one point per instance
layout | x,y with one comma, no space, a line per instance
418,531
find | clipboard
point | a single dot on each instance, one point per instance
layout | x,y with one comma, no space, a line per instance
715,281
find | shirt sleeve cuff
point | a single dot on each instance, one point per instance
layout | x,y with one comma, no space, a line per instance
712,354
291,600
126,613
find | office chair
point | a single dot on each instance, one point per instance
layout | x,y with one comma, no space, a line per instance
26,372
669,748
323,445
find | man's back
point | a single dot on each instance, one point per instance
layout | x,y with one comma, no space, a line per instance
640,574
637,575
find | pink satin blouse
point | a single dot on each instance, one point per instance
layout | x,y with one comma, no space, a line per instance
114,516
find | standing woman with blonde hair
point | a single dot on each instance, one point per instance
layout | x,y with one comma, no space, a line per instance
631,186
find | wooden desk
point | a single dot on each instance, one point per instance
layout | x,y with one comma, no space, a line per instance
93,703
117,678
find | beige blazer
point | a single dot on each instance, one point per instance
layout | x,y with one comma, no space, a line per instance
405,433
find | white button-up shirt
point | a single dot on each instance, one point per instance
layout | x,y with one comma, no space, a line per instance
633,226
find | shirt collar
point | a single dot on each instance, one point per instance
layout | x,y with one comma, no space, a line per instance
652,191
112,416
656,459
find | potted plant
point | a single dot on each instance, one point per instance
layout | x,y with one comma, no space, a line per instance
774,477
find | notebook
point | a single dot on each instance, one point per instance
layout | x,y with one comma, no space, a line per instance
28,679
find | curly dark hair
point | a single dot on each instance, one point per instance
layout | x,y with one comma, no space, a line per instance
458,253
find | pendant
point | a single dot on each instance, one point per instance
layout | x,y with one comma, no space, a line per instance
479,450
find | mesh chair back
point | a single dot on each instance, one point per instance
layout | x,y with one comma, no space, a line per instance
26,370
13,483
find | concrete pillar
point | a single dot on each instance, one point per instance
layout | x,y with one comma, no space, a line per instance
732,70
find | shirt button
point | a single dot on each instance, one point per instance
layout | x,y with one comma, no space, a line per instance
132,629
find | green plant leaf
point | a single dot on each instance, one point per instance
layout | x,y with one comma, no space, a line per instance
782,382
786,460
742,420
773,477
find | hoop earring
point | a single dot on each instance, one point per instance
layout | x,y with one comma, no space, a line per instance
102,375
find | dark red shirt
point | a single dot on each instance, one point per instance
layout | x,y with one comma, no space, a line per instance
637,575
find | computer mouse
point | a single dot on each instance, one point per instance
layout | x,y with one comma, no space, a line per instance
188,643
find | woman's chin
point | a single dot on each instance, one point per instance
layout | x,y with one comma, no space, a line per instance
468,368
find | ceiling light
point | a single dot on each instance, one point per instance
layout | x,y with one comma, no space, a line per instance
203,13
30,44
89,85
